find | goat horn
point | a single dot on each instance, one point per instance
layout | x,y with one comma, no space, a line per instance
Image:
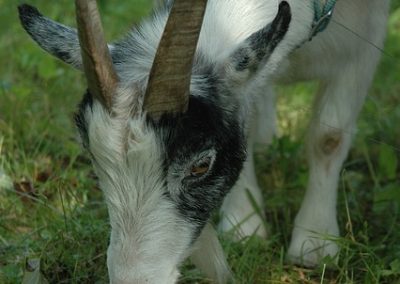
100,74
169,80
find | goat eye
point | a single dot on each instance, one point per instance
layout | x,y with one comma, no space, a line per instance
201,168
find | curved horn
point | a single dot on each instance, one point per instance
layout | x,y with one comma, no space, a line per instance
100,74
169,80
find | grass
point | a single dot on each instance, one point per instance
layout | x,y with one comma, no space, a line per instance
51,209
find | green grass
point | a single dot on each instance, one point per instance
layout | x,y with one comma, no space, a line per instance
51,209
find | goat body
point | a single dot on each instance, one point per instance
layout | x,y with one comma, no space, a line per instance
162,178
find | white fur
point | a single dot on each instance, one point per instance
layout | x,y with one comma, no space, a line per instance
208,256
146,243
344,64
227,23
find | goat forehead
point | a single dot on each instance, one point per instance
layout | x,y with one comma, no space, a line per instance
129,166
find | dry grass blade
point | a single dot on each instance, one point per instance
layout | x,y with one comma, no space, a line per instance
99,70
169,81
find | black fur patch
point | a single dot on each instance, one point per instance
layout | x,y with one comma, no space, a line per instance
202,127
244,63
61,54
27,15
267,39
260,45
59,40
242,58
80,119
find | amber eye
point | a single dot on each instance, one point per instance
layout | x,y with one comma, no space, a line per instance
201,168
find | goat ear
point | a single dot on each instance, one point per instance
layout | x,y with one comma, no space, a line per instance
253,54
59,40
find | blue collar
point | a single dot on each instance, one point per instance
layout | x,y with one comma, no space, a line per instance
322,16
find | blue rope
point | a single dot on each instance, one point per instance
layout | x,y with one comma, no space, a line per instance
322,16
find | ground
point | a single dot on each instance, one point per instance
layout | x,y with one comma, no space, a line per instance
52,211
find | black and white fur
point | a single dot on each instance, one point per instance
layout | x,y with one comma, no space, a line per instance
159,211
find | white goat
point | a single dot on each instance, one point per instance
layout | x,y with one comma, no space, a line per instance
163,175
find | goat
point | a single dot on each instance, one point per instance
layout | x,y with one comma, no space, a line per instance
170,148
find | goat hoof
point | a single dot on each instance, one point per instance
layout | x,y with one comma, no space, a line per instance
309,248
